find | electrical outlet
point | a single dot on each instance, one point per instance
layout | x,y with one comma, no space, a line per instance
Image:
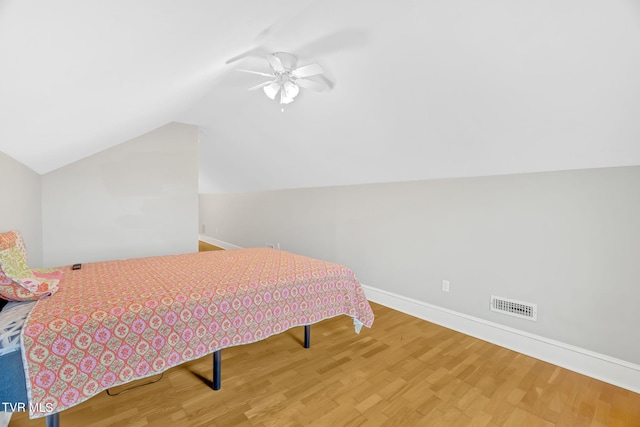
277,245
203,228
445,286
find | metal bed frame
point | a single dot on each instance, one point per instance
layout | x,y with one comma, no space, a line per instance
53,420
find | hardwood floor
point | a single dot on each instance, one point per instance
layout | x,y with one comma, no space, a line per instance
204,246
403,371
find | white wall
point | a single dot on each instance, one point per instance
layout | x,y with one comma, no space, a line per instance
21,207
568,241
139,198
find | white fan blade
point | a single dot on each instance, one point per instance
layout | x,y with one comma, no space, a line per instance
275,63
310,84
308,70
255,72
261,85
289,92
288,60
271,90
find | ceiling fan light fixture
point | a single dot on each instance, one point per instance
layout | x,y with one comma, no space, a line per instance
271,90
285,75
289,92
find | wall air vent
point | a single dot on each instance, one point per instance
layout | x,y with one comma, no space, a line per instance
523,310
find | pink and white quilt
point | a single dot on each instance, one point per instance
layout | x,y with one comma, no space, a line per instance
118,321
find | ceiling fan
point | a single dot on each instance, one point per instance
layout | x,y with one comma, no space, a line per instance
286,78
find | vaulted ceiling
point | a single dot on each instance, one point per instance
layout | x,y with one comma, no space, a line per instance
421,89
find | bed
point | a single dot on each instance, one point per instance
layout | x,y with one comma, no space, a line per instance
110,323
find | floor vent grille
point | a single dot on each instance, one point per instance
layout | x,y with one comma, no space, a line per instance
523,310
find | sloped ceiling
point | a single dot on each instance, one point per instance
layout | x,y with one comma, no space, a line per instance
421,89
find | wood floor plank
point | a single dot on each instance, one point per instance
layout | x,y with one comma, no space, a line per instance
404,371
204,246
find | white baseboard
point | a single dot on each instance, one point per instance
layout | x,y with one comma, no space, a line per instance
218,243
596,365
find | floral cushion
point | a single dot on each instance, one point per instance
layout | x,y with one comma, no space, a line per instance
12,291
17,281
21,246
8,240
13,238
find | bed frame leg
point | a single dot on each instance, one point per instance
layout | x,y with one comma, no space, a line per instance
217,359
53,420
307,336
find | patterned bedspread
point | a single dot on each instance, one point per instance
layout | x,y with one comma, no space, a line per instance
114,322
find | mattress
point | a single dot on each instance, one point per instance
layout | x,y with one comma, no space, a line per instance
114,322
